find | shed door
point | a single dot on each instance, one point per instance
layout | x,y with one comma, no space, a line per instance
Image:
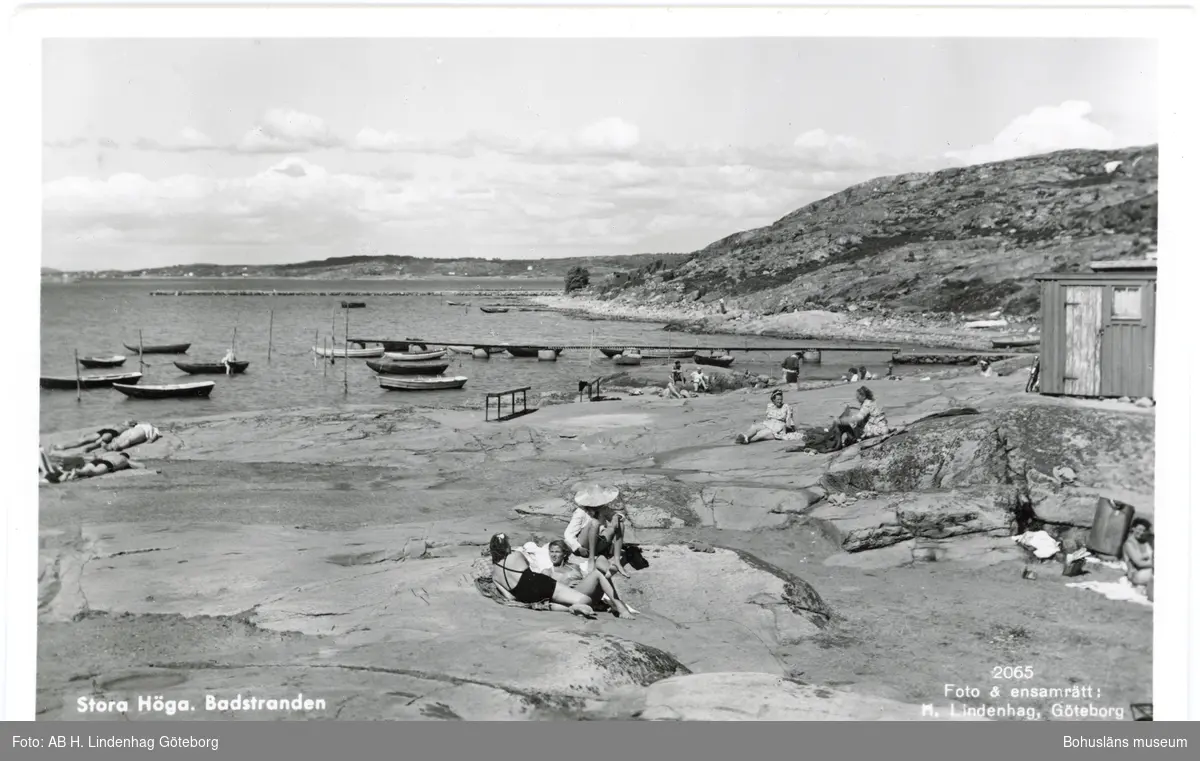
1084,316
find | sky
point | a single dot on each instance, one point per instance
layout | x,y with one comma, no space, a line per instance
162,152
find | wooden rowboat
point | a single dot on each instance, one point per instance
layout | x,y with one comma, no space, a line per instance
532,351
627,359
723,361
407,368
610,353
172,391
373,351
160,348
354,304
1012,342
404,345
493,310
668,353
65,382
414,383
213,368
414,356
116,360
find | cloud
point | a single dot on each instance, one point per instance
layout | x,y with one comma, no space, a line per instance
189,139
1042,130
287,131
74,142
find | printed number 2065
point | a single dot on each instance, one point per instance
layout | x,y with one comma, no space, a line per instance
1012,672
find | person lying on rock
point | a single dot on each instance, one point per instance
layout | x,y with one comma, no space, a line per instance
592,535
93,441
138,433
1139,553
76,467
777,422
593,584
517,581
865,423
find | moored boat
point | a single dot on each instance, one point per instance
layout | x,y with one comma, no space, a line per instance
419,383
722,361
407,368
414,356
668,353
404,345
354,304
372,351
493,310
610,353
532,351
116,360
65,382
213,368
1013,342
169,391
159,348
461,349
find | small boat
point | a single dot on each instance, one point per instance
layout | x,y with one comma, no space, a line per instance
1013,342
669,353
115,360
373,351
169,391
405,345
88,381
532,351
354,304
407,368
461,349
458,303
414,383
610,353
414,356
627,359
213,368
493,310
722,361
160,348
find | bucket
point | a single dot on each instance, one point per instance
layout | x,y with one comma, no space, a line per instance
547,355
927,551
1110,526
480,354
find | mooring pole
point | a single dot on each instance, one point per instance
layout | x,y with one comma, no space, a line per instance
270,334
141,352
78,379
346,364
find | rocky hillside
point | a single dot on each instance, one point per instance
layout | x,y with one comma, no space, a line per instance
958,240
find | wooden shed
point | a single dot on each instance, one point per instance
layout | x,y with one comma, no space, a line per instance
1098,330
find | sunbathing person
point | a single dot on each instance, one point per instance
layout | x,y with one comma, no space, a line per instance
590,536
777,422
1139,553
517,581
699,380
594,584
86,467
867,422
136,433
93,441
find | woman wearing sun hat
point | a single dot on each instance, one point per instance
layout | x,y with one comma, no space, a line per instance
589,536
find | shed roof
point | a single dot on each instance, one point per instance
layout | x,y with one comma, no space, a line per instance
1125,265
1115,276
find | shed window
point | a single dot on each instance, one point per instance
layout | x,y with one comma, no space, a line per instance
1127,303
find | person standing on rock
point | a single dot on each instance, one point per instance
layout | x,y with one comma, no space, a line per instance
791,369
588,536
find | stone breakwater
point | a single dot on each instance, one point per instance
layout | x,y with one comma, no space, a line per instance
809,325
240,292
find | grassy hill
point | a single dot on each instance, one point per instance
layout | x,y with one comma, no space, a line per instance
367,266
957,240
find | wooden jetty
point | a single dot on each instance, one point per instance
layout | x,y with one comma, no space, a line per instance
616,348
954,357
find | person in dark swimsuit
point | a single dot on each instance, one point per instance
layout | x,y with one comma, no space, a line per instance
516,580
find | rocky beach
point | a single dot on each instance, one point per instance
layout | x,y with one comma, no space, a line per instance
338,555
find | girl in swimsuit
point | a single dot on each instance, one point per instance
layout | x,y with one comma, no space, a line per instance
594,584
516,580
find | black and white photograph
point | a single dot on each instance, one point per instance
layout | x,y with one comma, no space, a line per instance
708,378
